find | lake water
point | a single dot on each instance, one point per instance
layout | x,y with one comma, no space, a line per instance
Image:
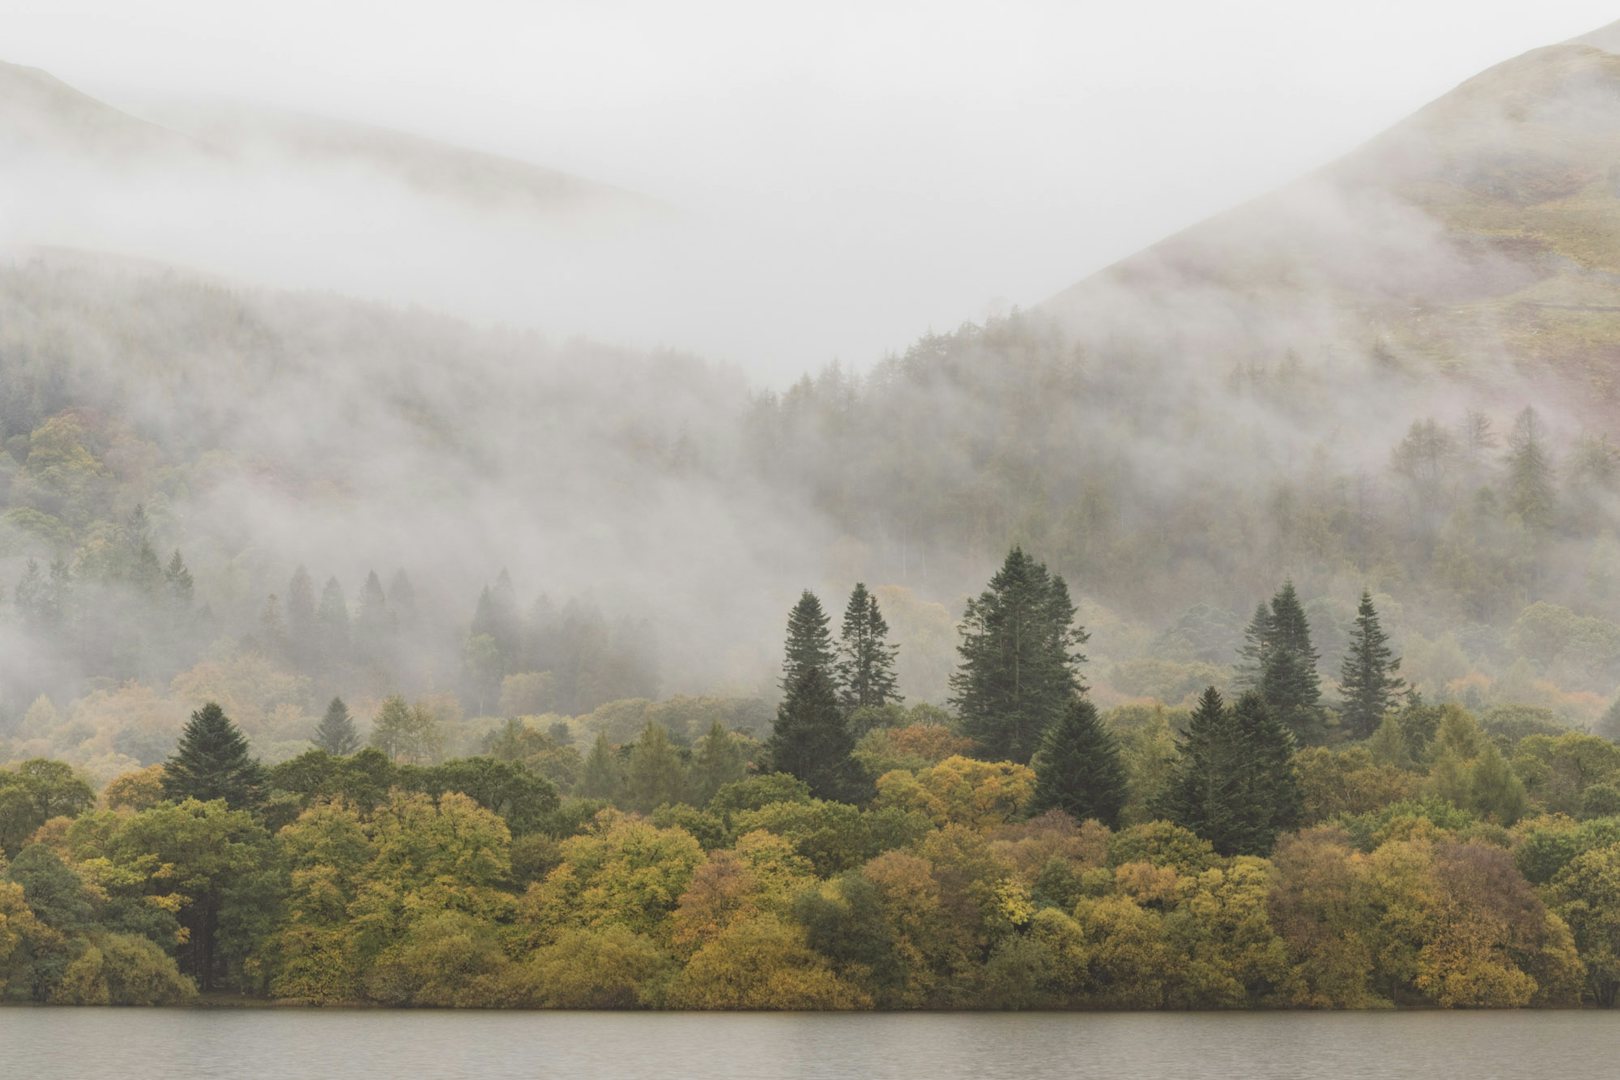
265,1044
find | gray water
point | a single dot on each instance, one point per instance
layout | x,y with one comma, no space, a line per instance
264,1044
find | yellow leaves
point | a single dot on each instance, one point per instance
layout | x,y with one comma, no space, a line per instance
961,791
762,963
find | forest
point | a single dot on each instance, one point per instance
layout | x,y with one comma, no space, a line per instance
1298,843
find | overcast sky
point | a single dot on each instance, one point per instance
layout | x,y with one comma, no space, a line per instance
929,159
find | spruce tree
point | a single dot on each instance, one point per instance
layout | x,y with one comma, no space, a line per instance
1078,769
1289,682
809,643
1234,782
1020,659
335,734
1367,678
1251,666
601,778
718,761
866,659
655,775
1269,801
812,741
1530,492
1203,789
212,761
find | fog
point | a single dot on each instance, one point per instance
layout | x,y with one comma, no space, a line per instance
847,177
544,303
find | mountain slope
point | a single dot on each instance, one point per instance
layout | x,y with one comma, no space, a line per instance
1480,237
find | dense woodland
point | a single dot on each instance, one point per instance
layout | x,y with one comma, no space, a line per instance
1311,842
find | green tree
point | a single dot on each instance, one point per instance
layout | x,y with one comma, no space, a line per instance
1530,492
1251,666
1234,782
655,774
1289,682
335,734
865,665
809,643
601,778
405,732
1367,678
719,760
811,739
213,761
1020,659
1078,769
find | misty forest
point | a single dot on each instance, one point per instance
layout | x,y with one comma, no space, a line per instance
1237,628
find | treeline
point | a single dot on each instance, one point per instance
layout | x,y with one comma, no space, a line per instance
1024,850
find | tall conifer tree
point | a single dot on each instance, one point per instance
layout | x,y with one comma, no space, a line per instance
809,642
1078,769
1367,678
1021,657
1289,681
812,741
213,761
865,658
335,733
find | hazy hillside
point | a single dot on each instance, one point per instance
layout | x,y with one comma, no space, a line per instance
1393,374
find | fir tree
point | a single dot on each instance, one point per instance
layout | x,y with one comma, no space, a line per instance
1367,678
372,623
1530,492
1251,666
332,623
809,644
1020,659
601,777
1289,681
812,741
1203,788
719,761
213,761
336,734
300,616
655,775
1234,782
866,659
1269,801
1078,769
179,582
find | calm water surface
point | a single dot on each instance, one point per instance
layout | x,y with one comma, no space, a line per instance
261,1044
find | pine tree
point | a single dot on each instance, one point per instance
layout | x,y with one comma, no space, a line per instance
300,616
1367,678
809,644
373,625
1289,681
719,760
332,624
179,581
1530,492
213,761
1251,664
1020,659
1203,789
866,659
1269,802
655,774
812,741
601,777
1078,769
336,734
1234,782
